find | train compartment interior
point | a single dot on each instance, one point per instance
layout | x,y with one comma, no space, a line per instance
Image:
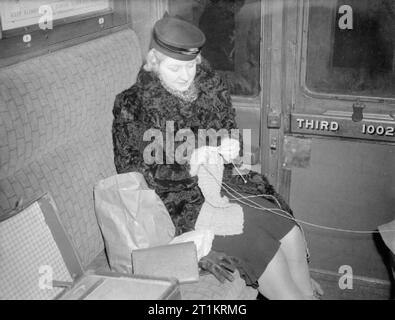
318,104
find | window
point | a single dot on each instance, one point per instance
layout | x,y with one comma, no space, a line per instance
351,47
28,26
232,29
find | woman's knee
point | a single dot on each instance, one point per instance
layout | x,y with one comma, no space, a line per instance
276,281
294,235
294,245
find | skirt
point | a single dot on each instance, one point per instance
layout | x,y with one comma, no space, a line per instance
261,236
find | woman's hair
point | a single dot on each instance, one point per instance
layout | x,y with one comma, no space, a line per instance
154,58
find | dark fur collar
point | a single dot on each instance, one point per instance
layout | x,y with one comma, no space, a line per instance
212,104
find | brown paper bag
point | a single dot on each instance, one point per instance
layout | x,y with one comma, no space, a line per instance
131,216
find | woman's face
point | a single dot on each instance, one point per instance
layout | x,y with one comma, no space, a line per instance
177,74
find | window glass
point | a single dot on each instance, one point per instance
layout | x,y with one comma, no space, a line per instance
232,29
351,47
21,13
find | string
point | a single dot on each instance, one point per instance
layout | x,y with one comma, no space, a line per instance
287,214
259,195
243,197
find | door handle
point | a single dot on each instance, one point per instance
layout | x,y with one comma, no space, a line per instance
273,143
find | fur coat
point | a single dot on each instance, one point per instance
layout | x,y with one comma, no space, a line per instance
147,104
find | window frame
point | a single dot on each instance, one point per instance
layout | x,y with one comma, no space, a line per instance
303,69
65,32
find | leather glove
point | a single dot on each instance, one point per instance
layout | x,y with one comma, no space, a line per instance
219,264
245,271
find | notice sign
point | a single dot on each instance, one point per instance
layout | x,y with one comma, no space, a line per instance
339,126
20,13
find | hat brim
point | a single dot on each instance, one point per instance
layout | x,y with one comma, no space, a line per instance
178,55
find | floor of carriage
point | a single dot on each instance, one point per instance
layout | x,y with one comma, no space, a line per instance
362,288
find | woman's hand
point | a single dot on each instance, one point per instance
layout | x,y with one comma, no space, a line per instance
198,157
229,149
218,264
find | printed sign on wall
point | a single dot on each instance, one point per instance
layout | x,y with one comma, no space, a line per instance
20,13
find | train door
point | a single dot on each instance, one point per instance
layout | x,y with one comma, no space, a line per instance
328,124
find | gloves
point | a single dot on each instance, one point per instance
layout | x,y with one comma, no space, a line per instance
245,271
219,264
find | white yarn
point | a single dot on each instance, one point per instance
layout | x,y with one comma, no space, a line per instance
217,213
203,240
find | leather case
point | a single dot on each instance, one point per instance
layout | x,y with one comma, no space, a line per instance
39,262
171,261
118,286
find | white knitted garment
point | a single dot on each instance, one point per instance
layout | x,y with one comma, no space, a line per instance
217,213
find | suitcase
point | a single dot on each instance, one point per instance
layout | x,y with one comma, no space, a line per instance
39,262
118,286
172,260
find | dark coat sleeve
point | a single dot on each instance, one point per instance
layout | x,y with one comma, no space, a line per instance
127,132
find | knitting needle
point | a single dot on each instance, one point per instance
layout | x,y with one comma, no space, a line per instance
240,174
238,171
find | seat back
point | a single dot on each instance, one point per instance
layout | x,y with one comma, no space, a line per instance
55,129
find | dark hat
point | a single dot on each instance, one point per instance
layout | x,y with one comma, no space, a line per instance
177,38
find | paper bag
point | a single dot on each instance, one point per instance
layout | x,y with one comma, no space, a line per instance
131,216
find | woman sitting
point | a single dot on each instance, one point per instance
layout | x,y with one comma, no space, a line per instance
176,84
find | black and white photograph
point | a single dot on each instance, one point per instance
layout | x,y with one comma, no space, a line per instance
216,153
